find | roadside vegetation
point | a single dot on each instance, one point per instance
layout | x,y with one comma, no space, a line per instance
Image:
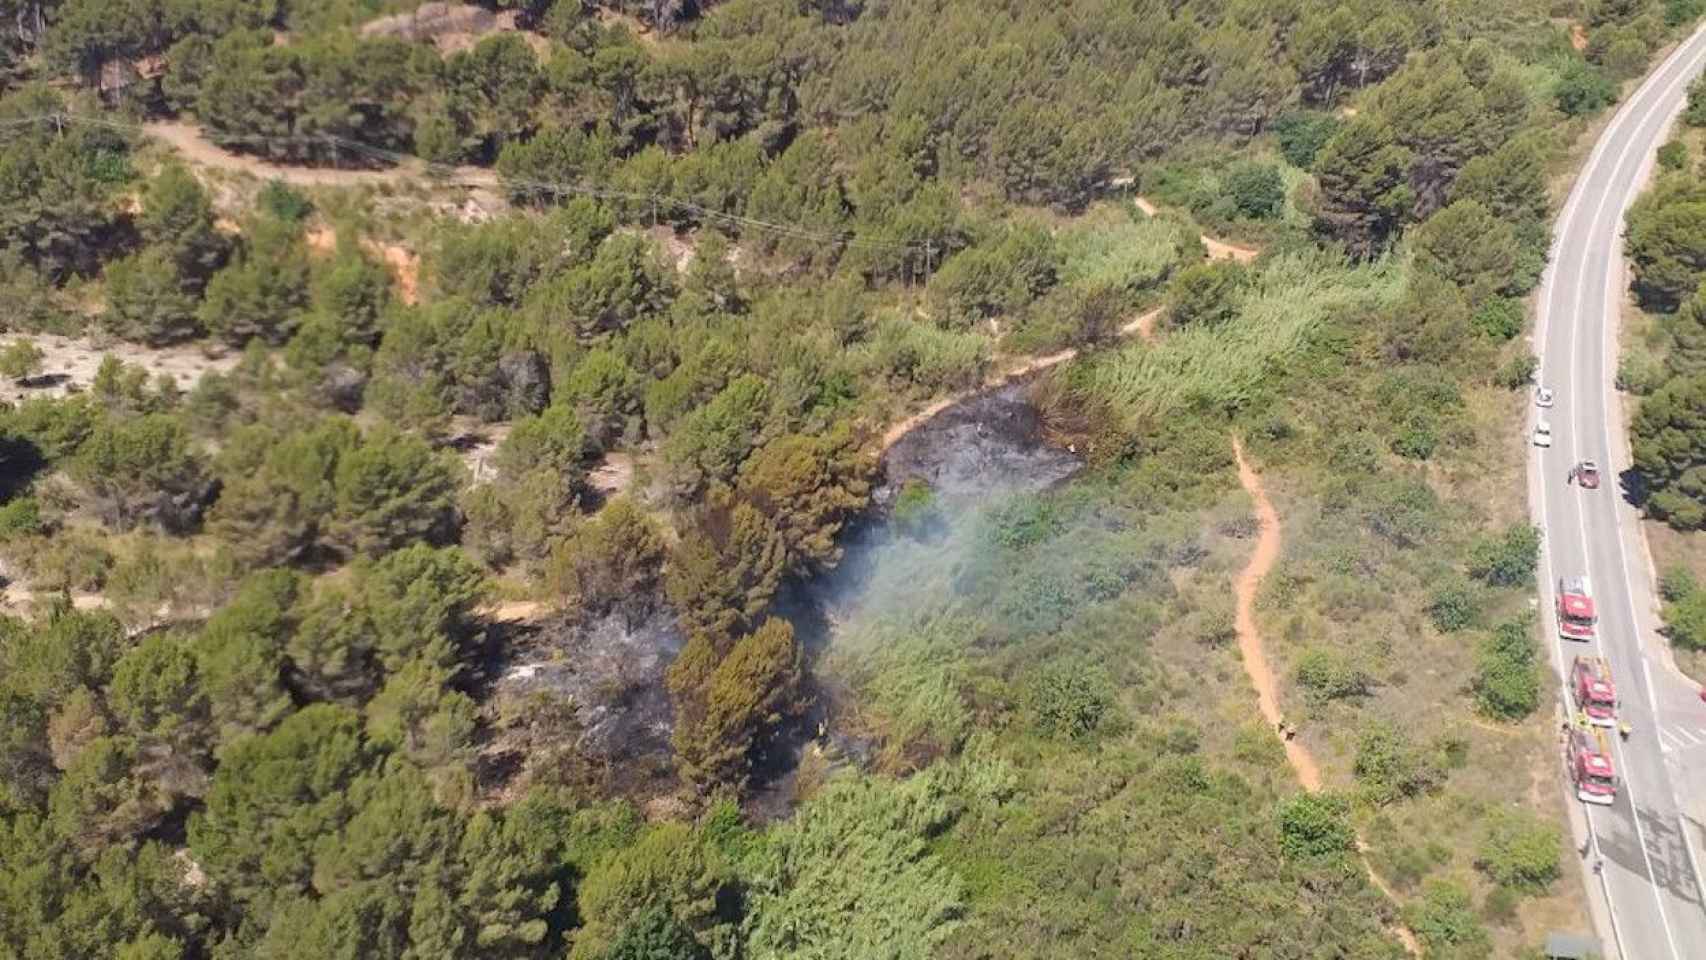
1661,368
635,369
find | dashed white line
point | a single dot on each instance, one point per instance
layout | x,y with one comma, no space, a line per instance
1550,293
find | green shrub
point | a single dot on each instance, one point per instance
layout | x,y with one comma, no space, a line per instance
1206,294
1518,371
1455,605
1316,825
1509,559
1673,156
1685,620
1583,89
1256,189
1390,767
1639,373
1301,135
1695,113
282,201
1416,440
1329,675
1500,318
1676,583
1507,682
1679,12
1070,699
1444,919
1023,521
20,358
915,508
1521,851
20,517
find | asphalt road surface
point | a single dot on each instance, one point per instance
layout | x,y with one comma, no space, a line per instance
1649,842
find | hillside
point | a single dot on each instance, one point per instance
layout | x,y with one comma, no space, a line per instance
768,479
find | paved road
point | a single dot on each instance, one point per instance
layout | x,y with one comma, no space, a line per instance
1648,841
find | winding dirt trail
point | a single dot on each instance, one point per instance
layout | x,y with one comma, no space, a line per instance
190,142
1217,249
1249,639
1143,326
1261,672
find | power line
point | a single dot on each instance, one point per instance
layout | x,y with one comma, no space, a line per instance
453,175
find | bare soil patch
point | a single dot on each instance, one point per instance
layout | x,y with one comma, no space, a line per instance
405,264
187,139
70,363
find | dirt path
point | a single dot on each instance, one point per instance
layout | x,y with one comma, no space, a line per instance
1249,639
1217,249
187,140
1144,326
1261,672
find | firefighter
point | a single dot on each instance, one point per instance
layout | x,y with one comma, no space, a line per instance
1623,729
1582,722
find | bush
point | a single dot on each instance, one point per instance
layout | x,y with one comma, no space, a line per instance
1071,699
915,511
1445,921
1520,851
1500,318
1673,156
1507,684
1518,372
1416,440
1679,12
1315,825
1391,767
1639,373
20,517
1329,675
1583,89
1685,620
1301,136
1206,294
1507,560
1455,605
1256,189
1676,583
1695,113
21,358
280,200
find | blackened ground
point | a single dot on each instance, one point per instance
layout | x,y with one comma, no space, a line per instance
988,445
611,670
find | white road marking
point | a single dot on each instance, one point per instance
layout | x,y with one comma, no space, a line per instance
1551,290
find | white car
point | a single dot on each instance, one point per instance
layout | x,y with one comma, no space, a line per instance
1543,434
1542,397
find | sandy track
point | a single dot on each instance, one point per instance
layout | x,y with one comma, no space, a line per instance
1144,326
1261,672
187,140
1249,638
1217,249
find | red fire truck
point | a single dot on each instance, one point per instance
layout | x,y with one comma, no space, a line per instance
1596,696
1590,766
1575,609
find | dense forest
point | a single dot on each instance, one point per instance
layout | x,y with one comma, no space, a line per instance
599,312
